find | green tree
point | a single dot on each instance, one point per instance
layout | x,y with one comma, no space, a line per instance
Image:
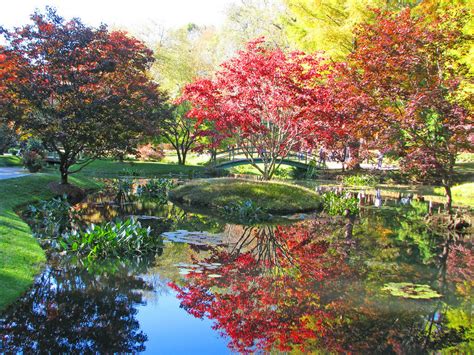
184,55
249,20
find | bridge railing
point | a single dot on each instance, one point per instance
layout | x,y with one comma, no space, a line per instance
53,157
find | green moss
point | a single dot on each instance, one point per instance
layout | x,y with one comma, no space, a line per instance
272,197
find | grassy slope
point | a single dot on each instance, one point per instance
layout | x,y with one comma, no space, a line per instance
272,197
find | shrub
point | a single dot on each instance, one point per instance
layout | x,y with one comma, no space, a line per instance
216,172
150,152
123,238
245,212
360,180
34,155
33,161
336,205
123,188
13,151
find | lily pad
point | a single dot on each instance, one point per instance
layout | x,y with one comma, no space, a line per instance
410,290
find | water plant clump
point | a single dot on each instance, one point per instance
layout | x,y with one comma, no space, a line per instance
112,239
245,212
157,189
53,217
338,205
123,188
360,180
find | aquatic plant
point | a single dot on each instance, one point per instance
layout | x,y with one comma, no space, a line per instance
53,217
410,290
123,188
156,189
245,211
360,180
122,238
336,205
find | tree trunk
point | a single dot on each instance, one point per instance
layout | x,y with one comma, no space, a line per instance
64,170
178,153
64,176
449,197
213,156
267,176
183,157
354,149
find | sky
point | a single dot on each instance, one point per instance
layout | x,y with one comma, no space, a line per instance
132,15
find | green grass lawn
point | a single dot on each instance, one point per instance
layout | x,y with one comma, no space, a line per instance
273,197
191,159
108,168
9,160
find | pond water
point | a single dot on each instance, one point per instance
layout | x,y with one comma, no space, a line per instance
310,283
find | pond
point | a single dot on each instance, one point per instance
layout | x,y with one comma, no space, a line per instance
384,282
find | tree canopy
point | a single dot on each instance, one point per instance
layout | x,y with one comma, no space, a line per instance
82,89
271,103
401,87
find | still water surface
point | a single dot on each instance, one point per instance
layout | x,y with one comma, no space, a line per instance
312,283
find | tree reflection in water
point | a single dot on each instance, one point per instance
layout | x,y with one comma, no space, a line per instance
71,309
309,287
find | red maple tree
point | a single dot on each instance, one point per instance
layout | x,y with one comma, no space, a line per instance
402,89
85,90
271,103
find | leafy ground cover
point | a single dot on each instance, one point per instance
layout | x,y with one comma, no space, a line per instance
272,197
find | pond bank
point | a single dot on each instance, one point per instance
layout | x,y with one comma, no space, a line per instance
21,257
